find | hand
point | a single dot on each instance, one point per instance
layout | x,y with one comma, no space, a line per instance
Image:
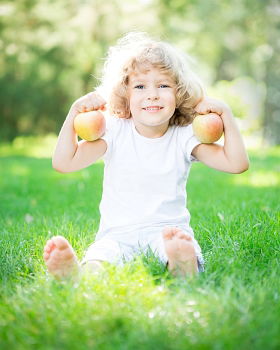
90,102
211,105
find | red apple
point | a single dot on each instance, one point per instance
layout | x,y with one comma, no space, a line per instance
90,126
208,128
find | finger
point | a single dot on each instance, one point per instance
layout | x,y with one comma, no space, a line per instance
92,102
97,99
92,96
203,109
89,105
101,102
82,109
97,106
89,108
199,108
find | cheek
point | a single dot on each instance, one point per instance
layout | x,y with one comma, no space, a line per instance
172,102
133,106
135,102
170,98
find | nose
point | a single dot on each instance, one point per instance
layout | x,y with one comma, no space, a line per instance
153,94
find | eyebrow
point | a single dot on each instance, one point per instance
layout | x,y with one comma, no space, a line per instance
141,79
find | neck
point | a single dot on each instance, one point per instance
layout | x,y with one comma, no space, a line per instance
151,132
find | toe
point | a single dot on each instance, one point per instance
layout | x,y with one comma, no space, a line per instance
46,256
60,242
187,237
49,245
180,234
47,249
167,233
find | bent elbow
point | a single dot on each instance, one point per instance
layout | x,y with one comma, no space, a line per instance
244,167
61,171
57,167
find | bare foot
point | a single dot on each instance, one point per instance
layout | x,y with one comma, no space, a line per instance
180,250
60,258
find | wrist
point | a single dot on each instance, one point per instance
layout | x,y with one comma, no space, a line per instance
226,112
73,112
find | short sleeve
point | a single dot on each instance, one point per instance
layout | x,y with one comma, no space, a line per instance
188,142
108,137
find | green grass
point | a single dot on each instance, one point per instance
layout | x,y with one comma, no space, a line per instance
234,304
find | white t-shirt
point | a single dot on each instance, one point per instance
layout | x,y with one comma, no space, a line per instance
144,178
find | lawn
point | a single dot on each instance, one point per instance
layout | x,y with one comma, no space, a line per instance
234,304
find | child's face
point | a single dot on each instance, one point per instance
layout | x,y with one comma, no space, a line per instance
152,98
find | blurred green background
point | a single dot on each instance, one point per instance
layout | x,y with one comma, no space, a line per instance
52,52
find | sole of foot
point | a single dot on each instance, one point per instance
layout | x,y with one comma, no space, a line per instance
179,247
60,258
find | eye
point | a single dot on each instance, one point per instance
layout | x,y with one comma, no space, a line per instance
140,87
164,86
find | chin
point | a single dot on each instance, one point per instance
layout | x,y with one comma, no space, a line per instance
154,122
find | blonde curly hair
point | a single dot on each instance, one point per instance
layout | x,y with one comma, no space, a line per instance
138,52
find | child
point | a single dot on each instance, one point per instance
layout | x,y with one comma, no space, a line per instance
148,147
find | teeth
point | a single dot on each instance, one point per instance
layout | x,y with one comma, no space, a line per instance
152,108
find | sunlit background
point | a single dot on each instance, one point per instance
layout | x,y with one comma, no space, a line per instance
52,52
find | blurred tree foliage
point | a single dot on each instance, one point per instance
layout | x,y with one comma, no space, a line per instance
51,52
235,38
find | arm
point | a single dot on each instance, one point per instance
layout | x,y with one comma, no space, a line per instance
230,158
71,155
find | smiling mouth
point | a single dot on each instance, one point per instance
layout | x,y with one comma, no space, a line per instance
153,108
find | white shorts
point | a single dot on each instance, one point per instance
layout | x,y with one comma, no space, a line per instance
118,248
